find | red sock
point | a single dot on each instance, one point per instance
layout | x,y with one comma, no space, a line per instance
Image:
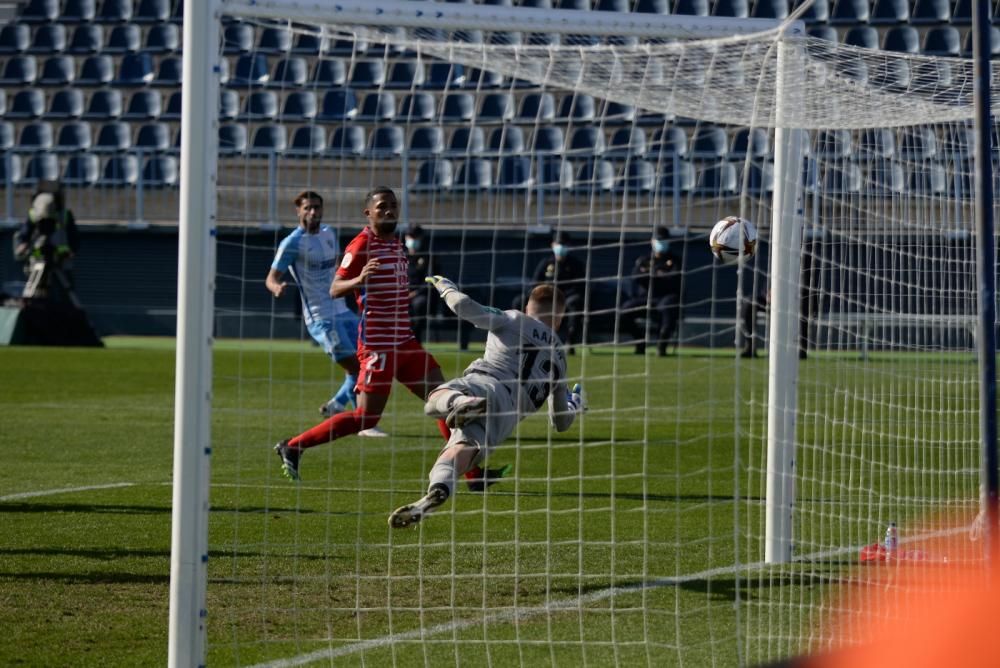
475,473
340,425
445,431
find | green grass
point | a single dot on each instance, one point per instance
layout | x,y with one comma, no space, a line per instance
640,498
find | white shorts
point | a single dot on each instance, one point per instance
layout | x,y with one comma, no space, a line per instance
501,416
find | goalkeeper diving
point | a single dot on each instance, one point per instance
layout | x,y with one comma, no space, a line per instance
523,366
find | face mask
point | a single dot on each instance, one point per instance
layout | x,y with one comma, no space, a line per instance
559,250
660,246
385,229
412,244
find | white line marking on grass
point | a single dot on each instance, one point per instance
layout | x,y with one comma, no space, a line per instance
63,490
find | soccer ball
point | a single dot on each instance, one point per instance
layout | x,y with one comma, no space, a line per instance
725,239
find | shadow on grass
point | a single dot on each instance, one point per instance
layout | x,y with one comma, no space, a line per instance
123,553
90,578
631,496
749,588
133,509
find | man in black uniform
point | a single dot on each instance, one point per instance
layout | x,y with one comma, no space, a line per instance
653,307
569,275
47,242
424,302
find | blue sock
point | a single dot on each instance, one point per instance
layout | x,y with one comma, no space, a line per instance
345,395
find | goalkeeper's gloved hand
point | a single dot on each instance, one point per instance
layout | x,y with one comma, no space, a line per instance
575,400
442,284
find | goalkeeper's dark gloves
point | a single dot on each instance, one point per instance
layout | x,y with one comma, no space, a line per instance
442,284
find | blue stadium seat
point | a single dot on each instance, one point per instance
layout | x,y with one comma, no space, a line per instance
994,46
548,140
669,141
251,70
850,12
35,136
78,11
122,39
405,75
457,108
581,5
87,38
586,141
377,108
3,102
893,74
885,177
553,174
770,9
386,142
876,143
136,69
113,137
507,140
40,167
943,41
268,139
833,144
930,12
474,174
119,171
759,179
308,140
57,71
144,105
427,141
300,106
163,38
261,105
514,173
504,38
716,180
160,171
928,179
347,141
709,142
865,37
466,141
170,72
97,70
842,177
152,11
691,7
347,48
961,13
338,105
172,110
468,36
537,108
434,175
817,12
367,74
618,113
496,108
66,103
479,79
627,143
916,144
829,33
611,5
14,38
28,103
81,170
651,7
328,74
73,137
10,169
853,69
115,11
890,12
307,44
39,11
734,8
290,72
48,39
232,139
274,40
238,38
104,105
153,138
576,108
177,16
418,108
7,137
594,177
638,176
19,71
749,140
442,76
902,39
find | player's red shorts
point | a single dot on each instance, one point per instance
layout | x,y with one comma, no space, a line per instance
409,363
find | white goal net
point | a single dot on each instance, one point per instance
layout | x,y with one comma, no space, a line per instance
750,427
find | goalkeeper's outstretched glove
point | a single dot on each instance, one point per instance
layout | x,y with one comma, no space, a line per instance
442,284
575,400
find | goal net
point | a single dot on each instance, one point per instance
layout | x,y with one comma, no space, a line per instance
750,426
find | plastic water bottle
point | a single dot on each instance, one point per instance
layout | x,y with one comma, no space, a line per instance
891,538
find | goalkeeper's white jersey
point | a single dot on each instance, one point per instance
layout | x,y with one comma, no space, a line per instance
311,260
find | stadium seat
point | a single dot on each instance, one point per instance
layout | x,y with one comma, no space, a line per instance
850,12
927,179
10,169
576,108
716,180
474,174
865,37
759,178
433,175
160,171
35,136
77,12
66,103
651,6
267,140
153,138
97,70
300,106
942,41
479,79
902,39
377,108
104,105
506,140
347,141
817,12
691,7
40,167
14,38
548,140
749,140
87,38
627,143
618,113
328,73
114,11
709,142
543,39
73,137
994,43
514,173
19,71
122,39
442,76
417,108
553,173
496,108
536,4
457,108
961,13
637,176
876,143
152,11
916,144
7,137
136,69
39,11
163,38
144,105
885,177
290,72
536,108
308,140
894,74
930,12
307,44
367,74
172,110
853,69
119,171
405,75
261,105
889,12
668,141
26,104
427,141
232,139
466,141
575,39
81,170
734,8
170,72
347,48
113,137
57,71
580,5
3,102
611,5
238,38
829,33
586,141
504,38
594,176
251,70
833,144
48,39
842,177
275,40
770,9
338,105
386,142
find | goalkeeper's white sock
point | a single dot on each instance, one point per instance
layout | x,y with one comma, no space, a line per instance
443,473
441,402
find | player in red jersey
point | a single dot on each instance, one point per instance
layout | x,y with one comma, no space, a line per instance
374,267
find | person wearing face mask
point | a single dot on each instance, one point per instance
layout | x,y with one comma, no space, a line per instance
424,302
569,274
654,302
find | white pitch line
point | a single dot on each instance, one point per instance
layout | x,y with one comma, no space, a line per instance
63,490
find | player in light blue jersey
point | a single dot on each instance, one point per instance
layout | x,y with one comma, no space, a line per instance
311,254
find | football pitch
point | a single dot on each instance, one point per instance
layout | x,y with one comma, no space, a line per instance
614,543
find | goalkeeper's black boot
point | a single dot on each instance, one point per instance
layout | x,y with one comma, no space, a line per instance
411,514
289,459
489,478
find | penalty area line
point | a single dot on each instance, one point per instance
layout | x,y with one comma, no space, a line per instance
64,490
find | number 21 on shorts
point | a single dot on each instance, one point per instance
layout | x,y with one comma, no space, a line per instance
374,362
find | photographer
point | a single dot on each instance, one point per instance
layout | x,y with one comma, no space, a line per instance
47,242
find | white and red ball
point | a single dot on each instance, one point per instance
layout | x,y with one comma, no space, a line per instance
729,234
